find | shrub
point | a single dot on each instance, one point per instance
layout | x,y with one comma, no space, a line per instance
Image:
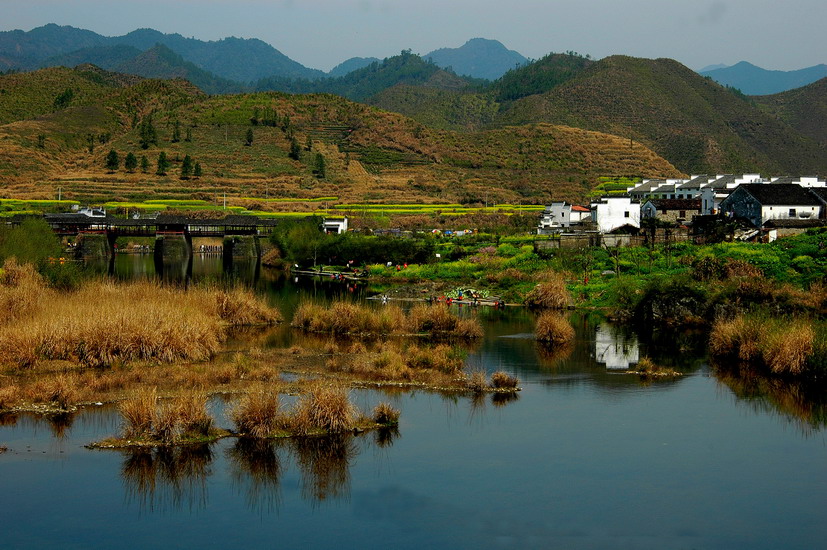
551,294
385,414
258,414
503,380
476,381
138,413
324,408
553,328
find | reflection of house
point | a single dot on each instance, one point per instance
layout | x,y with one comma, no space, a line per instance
613,349
673,210
335,225
611,213
760,203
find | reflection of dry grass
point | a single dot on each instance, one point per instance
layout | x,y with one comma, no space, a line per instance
256,464
803,402
179,473
325,464
477,381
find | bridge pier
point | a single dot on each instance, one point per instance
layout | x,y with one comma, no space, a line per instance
173,255
241,253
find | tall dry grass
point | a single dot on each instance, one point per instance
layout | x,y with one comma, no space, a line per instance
104,323
783,346
22,291
550,294
146,417
348,318
324,408
553,328
258,414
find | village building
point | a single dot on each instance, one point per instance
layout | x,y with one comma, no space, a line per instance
559,216
760,203
613,213
678,211
335,225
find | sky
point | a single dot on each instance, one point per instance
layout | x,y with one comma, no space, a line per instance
322,33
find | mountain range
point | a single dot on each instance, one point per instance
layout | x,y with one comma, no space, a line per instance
753,80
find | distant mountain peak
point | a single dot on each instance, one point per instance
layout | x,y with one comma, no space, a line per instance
478,58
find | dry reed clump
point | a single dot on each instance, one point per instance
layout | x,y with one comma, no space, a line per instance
551,294
9,396
476,381
146,418
385,414
136,321
241,307
442,357
438,321
782,346
553,328
22,290
62,391
258,414
503,381
323,408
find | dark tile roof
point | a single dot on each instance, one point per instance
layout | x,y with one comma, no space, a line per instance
784,179
695,182
722,182
819,192
676,204
781,194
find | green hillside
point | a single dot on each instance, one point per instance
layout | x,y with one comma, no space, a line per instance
805,109
698,125
257,148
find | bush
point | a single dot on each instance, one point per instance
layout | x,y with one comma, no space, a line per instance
553,328
503,380
551,294
258,414
385,414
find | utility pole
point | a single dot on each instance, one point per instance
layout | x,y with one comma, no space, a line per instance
225,200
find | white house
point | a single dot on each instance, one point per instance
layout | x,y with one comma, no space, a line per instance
611,213
759,203
613,349
556,217
335,225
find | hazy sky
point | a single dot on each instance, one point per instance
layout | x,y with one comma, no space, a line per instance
322,33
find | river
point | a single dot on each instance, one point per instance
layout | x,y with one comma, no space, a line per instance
583,457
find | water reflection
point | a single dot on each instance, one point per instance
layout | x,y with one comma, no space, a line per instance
256,470
384,437
61,424
325,465
802,403
167,478
614,347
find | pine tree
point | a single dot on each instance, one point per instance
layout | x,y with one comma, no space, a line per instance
130,162
112,160
144,164
308,144
295,150
146,133
196,171
163,164
176,132
188,135
320,168
186,167
249,137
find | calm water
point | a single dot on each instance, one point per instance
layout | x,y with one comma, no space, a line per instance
584,457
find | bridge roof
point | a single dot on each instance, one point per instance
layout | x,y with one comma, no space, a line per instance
228,221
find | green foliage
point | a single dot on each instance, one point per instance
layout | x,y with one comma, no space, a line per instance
319,166
540,76
64,99
144,164
186,167
130,162
196,171
112,160
163,164
295,149
146,133
176,131
248,139
33,241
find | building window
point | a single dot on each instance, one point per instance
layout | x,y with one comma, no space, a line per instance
792,212
626,214
683,214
